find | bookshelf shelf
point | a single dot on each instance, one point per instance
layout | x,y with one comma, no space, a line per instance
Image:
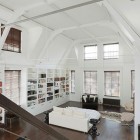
46,86
31,86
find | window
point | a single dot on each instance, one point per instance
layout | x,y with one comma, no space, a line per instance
111,51
90,52
13,40
112,83
90,82
12,85
132,83
72,81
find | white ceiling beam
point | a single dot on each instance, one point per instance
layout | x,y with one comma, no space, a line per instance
128,42
108,36
91,35
76,49
50,1
100,23
29,7
33,21
100,37
123,25
59,31
17,13
6,9
53,35
56,12
75,21
66,53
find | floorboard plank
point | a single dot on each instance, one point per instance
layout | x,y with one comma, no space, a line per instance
109,130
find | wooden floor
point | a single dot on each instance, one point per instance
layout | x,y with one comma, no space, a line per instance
109,130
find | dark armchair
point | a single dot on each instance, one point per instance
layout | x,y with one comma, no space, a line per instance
90,101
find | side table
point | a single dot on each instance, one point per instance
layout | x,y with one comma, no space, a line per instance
20,138
47,117
93,130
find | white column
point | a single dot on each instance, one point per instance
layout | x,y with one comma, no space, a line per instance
137,96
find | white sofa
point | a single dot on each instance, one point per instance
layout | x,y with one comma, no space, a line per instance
73,118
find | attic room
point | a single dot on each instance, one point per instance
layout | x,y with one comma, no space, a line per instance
69,69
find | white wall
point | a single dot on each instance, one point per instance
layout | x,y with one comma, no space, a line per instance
55,52
12,58
124,64
32,42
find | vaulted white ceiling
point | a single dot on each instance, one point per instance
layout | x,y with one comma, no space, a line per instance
92,21
90,14
129,10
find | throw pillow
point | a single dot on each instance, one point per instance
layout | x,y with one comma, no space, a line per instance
57,113
68,112
58,109
79,114
94,97
84,98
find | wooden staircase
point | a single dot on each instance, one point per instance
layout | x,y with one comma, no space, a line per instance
23,114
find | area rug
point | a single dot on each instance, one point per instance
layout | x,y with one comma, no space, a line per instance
114,116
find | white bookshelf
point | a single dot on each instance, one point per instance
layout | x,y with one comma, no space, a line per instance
46,88
31,87
67,82
62,83
56,83
50,84
42,86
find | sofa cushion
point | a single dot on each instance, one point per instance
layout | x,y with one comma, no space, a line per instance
89,113
79,114
58,109
57,113
84,98
93,97
68,112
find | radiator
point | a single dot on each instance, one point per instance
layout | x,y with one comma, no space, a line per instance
111,102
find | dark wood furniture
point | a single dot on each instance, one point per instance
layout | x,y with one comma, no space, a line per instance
26,116
93,131
0,118
104,126
90,102
20,138
47,117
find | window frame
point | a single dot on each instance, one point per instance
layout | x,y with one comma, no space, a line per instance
93,52
132,94
111,51
11,32
19,84
72,81
90,83
111,85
